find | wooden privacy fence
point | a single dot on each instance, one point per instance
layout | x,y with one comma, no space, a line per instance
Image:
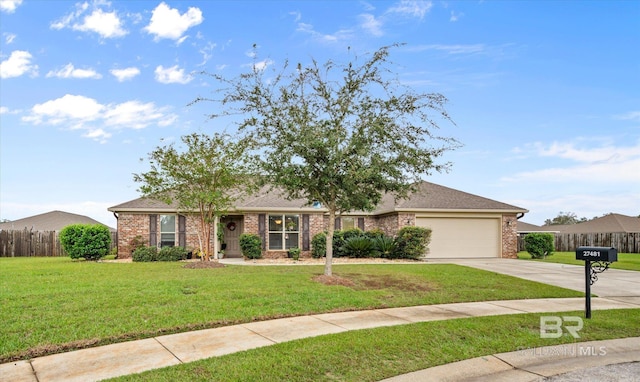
568,242
25,243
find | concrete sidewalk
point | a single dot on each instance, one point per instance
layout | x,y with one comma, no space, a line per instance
537,364
137,356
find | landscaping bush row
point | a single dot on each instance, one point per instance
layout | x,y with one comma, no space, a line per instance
147,254
410,243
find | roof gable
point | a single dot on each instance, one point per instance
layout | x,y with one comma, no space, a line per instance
611,223
48,221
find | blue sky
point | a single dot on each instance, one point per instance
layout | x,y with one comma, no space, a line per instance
545,95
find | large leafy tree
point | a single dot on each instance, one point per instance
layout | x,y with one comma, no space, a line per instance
338,134
565,218
206,177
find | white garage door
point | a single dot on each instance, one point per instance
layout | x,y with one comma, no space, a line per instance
462,237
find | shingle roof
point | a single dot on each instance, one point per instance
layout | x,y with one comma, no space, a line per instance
429,196
607,224
526,227
48,221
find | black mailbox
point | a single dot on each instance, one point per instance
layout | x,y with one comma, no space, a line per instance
607,254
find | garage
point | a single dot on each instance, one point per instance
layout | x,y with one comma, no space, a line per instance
463,237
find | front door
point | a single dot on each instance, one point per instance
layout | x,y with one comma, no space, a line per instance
232,230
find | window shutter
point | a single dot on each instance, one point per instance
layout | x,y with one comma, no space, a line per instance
153,230
182,231
337,224
305,232
361,223
262,219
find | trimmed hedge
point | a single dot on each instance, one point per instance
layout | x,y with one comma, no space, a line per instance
251,246
319,245
412,242
148,254
88,241
539,244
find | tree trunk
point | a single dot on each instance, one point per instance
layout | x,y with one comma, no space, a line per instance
206,233
329,243
215,237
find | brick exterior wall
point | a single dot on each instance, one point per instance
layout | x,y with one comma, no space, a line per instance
391,224
132,225
509,237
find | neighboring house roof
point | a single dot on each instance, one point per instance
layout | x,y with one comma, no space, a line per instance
48,221
526,228
429,197
611,223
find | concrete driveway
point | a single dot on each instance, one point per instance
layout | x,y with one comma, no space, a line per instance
613,283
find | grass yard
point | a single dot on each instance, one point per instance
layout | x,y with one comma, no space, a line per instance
628,261
52,305
375,354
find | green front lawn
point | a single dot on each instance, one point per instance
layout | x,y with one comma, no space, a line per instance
54,304
628,261
375,354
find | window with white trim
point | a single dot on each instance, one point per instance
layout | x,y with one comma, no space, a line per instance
167,230
284,232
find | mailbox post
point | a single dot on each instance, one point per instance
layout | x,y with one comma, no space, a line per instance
596,260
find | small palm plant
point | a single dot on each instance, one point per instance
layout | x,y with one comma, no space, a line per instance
385,246
358,246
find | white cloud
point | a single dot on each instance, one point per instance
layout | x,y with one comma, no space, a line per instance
18,63
80,112
630,116
372,25
106,24
606,163
451,49
544,207
207,53
9,6
69,71
134,115
168,23
412,8
172,75
9,37
4,110
341,35
125,74
454,17
262,65
98,135
70,109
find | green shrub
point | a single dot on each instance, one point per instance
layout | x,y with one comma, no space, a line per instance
251,246
384,246
319,245
172,254
145,254
91,241
539,244
294,253
358,246
374,233
412,242
340,237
